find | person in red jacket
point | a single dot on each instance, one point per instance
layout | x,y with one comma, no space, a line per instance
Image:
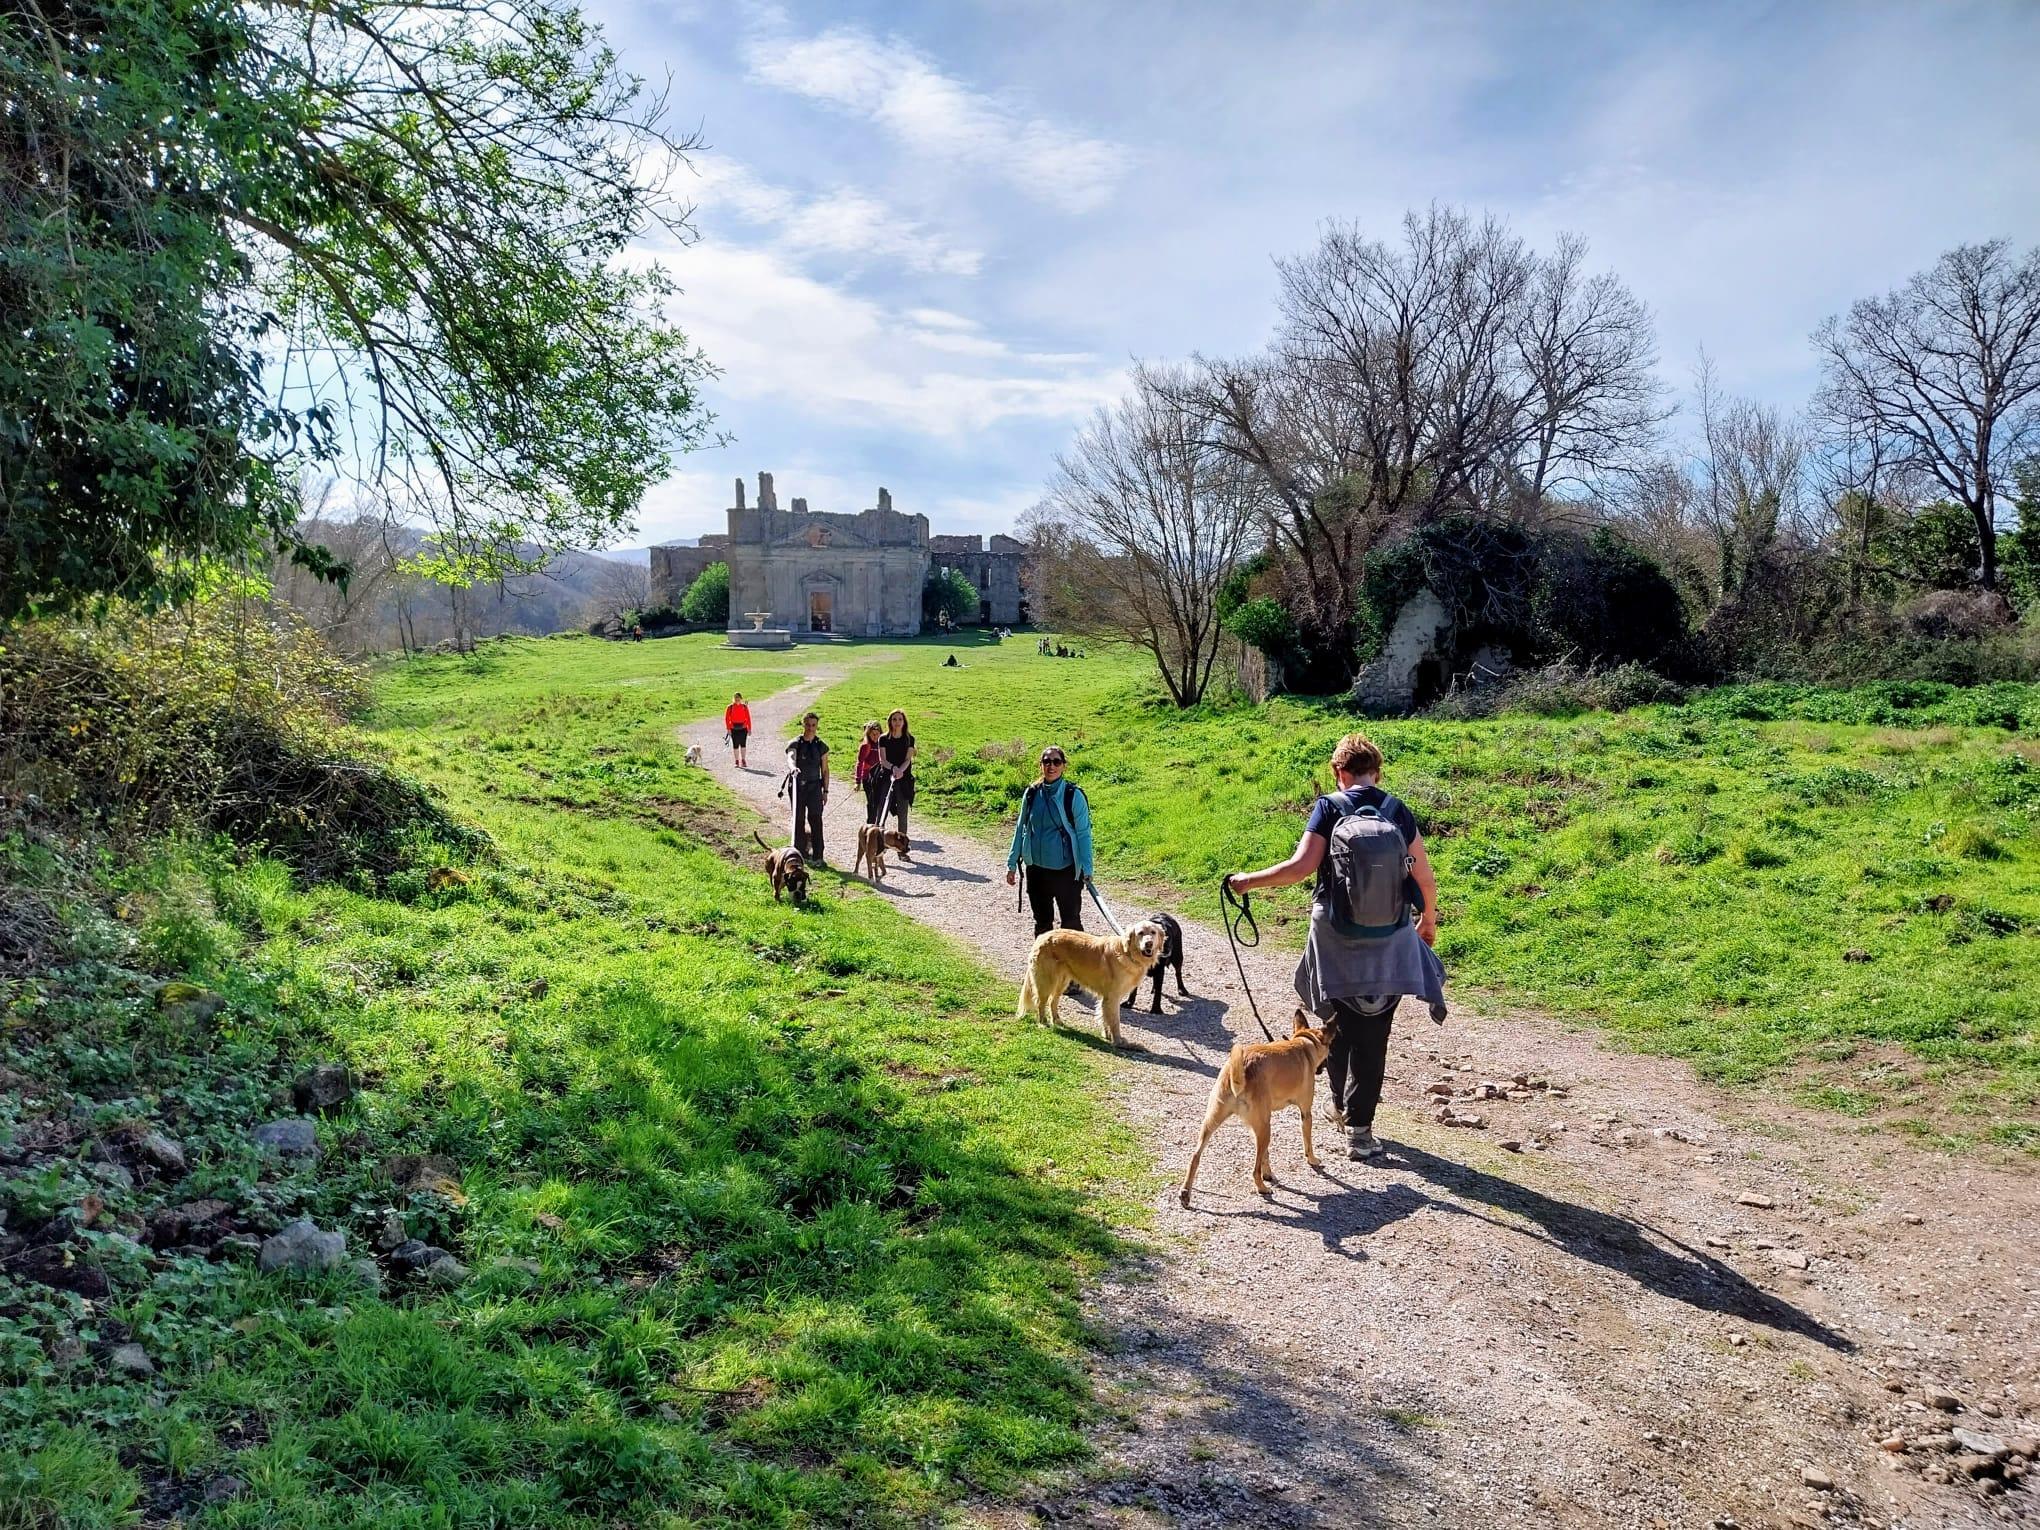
871,773
736,721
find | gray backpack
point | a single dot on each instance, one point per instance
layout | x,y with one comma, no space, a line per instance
1367,879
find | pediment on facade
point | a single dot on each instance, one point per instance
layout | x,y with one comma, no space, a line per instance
818,537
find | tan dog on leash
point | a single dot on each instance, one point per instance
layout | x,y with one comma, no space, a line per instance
1258,1079
872,842
1111,966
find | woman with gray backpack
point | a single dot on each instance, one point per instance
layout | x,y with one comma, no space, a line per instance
1365,950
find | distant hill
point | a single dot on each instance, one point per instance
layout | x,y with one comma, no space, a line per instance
384,610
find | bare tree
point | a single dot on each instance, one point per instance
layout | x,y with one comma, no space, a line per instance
1452,370
1588,351
1945,372
1153,518
1752,483
622,591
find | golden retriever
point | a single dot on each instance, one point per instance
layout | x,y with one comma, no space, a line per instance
871,848
787,868
1258,1079
1111,966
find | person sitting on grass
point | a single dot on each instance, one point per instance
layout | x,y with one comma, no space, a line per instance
1363,952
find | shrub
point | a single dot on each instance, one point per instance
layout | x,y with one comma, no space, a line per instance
1605,601
221,716
707,601
1262,623
1560,690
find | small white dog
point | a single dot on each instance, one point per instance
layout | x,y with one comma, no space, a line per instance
694,754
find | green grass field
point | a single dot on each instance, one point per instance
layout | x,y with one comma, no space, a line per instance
759,1202
1755,881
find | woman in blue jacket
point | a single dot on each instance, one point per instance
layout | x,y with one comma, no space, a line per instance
1052,839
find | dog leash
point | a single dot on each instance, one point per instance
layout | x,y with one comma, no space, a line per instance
1228,901
1092,887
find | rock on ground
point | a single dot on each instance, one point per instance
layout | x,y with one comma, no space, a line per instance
293,1137
302,1248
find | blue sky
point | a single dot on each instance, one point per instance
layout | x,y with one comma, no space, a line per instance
933,236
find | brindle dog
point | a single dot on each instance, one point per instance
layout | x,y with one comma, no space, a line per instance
787,868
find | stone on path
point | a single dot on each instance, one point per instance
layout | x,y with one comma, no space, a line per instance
1760,1202
1816,1479
1976,1442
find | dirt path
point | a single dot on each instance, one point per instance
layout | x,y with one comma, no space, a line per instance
1674,1306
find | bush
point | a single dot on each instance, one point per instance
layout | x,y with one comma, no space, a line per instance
707,601
1604,601
1560,690
1262,623
222,716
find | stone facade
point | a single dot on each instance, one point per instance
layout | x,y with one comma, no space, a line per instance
674,569
998,572
1413,666
820,573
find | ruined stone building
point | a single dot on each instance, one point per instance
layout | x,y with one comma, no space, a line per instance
998,572
827,573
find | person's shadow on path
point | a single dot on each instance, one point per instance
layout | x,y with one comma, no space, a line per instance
1648,1255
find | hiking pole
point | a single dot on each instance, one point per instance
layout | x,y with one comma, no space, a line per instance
1228,900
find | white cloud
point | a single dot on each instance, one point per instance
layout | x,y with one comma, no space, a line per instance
934,115
780,334
842,222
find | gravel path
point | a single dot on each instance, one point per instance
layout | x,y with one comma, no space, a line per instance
1627,1299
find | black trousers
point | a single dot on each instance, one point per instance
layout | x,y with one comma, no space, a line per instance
1359,1060
807,820
1052,893
875,803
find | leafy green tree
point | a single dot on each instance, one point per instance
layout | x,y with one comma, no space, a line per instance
948,591
708,598
2020,548
243,237
1936,547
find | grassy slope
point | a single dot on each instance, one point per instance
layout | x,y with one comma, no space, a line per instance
1694,882
785,1174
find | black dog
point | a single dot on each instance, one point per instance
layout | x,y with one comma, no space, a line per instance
1171,955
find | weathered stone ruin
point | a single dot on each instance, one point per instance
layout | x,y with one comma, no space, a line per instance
824,573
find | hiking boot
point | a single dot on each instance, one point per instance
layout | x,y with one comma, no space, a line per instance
1363,1145
1337,1115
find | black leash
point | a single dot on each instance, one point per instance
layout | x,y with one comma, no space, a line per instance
1228,902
